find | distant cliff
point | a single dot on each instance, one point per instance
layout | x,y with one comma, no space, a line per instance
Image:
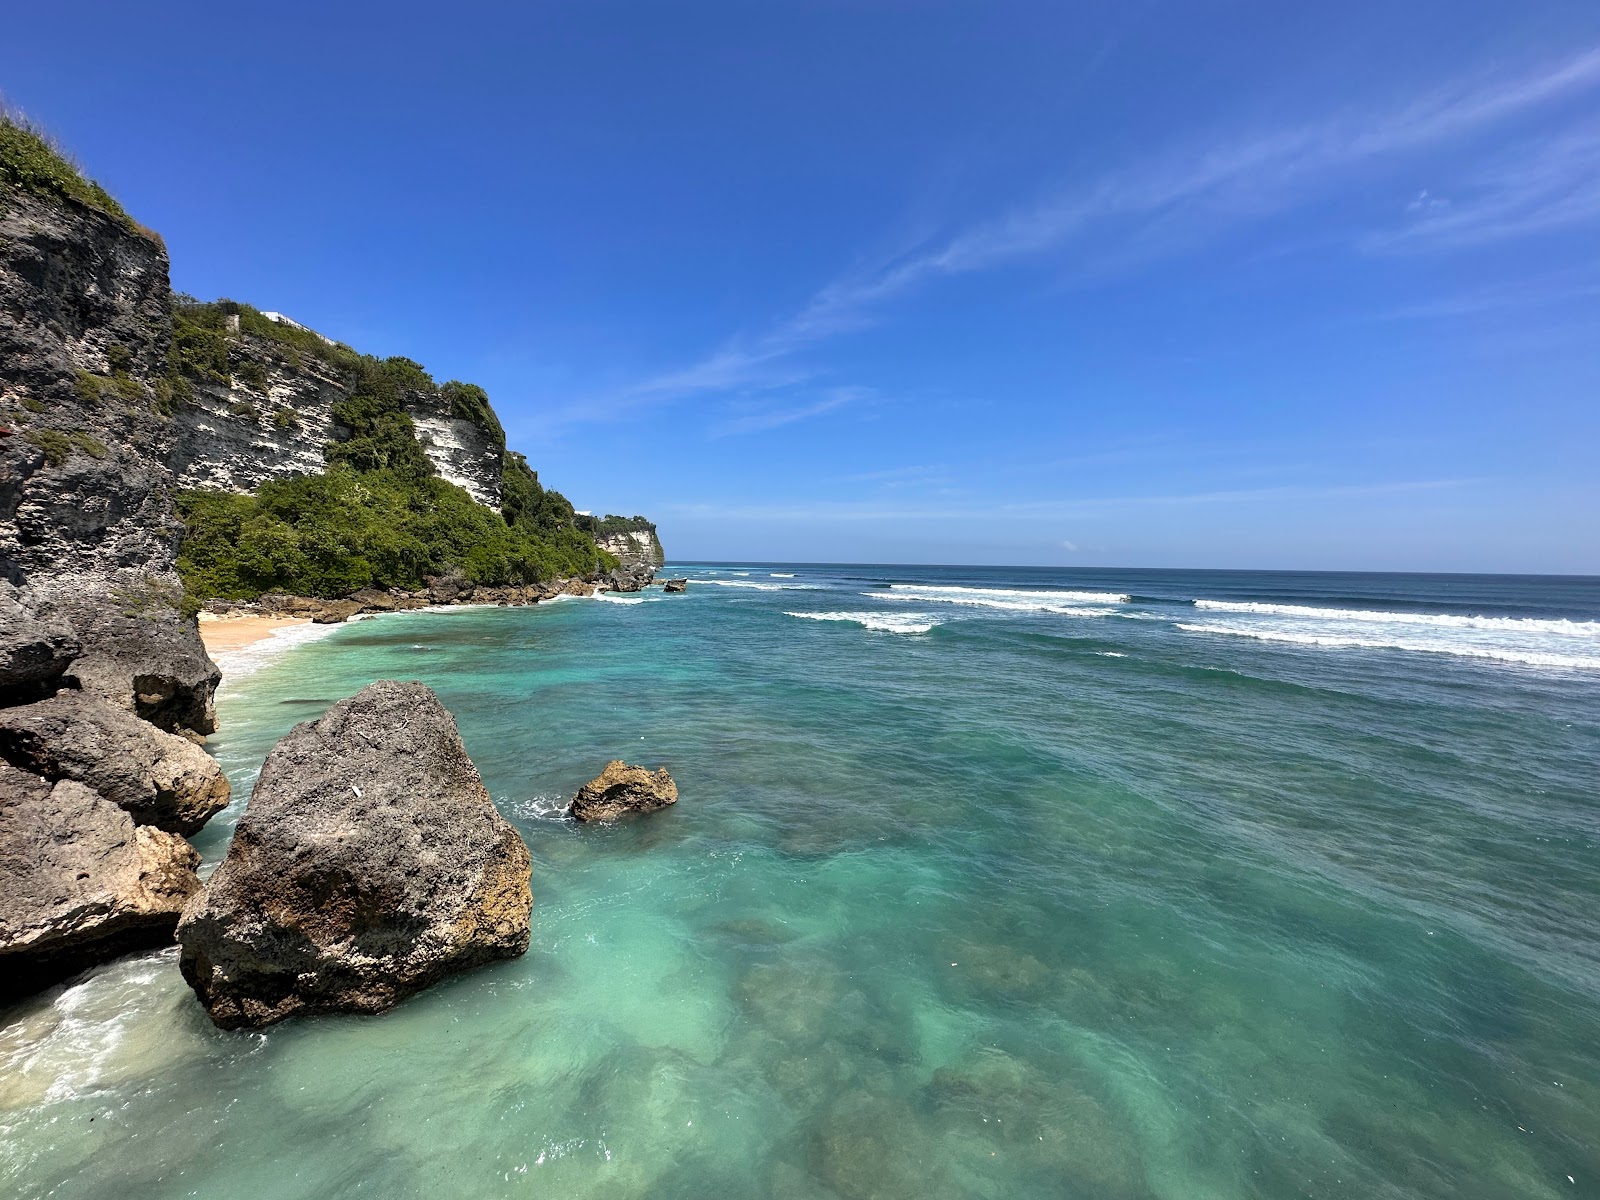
262,397
632,540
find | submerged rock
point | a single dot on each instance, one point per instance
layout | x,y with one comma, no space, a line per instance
623,789
369,864
159,778
82,882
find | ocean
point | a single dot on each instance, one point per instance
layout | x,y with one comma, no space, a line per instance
984,882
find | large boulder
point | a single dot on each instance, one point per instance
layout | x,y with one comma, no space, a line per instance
621,789
83,883
369,864
159,778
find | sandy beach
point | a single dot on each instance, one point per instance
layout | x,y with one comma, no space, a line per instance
224,635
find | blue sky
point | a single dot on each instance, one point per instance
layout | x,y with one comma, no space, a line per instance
1143,284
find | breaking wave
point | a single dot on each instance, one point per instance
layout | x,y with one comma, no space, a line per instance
1559,627
1492,651
876,621
1068,604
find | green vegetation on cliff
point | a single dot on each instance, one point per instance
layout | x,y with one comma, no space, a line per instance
328,535
379,516
31,162
611,524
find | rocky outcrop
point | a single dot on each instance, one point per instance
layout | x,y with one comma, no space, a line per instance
621,789
369,864
88,532
635,546
158,778
83,883
675,585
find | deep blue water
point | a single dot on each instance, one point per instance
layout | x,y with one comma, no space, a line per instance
984,883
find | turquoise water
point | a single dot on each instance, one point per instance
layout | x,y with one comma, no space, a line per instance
1061,885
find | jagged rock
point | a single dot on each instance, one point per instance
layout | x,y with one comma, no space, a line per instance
369,864
33,653
372,600
159,778
82,882
335,612
623,789
447,588
630,577
151,664
675,585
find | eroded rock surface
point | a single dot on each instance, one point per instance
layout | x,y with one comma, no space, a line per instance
369,864
159,778
82,882
621,789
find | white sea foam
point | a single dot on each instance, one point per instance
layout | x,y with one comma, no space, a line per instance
247,660
781,575
610,598
1507,650
1111,654
877,621
1070,604
761,587
1017,599
1520,625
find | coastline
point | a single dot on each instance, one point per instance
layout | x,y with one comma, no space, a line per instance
229,635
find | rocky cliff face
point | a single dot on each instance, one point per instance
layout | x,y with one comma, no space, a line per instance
634,547
89,596
274,417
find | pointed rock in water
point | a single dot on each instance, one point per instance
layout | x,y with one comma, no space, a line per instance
369,864
675,585
623,789
83,883
160,778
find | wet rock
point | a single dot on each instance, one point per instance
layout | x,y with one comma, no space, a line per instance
369,864
82,883
675,585
158,778
621,789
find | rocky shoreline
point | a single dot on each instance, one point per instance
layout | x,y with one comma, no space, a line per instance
107,410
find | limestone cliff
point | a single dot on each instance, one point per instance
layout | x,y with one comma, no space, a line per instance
632,539
271,414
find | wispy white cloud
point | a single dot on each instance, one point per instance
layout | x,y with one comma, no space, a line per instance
1550,184
773,416
876,510
1180,198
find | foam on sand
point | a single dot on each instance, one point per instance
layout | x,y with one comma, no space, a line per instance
247,660
878,622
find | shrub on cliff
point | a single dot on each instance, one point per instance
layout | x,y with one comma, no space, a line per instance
29,161
329,535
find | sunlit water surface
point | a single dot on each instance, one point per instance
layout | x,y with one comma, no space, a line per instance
992,884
